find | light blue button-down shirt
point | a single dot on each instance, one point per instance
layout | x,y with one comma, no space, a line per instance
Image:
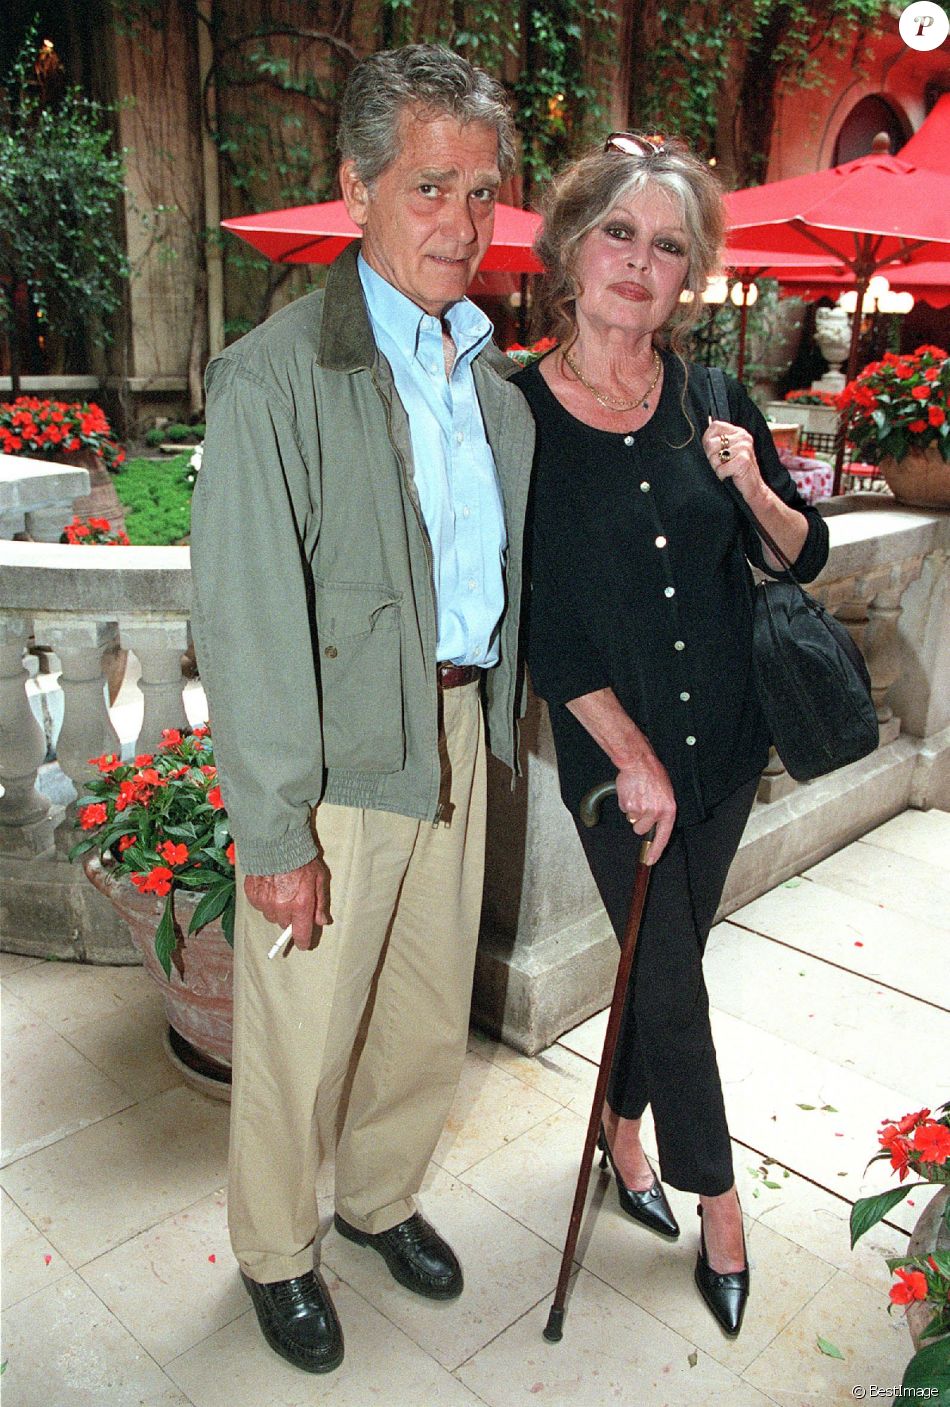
454,466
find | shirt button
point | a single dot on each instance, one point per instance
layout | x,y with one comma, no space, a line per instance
644,487
669,591
685,696
459,437
628,439
679,644
690,741
661,541
331,652
472,583
466,512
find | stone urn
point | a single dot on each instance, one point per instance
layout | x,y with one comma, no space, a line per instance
921,479
930,1234
833,336
198,994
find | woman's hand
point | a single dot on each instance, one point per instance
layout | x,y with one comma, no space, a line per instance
731,451
645,796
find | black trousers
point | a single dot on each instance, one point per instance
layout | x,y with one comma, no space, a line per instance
665,1054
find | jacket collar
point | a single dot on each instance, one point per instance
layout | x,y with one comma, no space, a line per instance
346,337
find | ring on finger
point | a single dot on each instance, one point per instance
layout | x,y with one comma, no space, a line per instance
725,454
724,441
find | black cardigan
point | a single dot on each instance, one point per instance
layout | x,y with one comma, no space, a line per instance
640,582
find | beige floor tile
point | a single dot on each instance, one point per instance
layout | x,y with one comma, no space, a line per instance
64,1349
100,1186
30,1263
923,835
824,1010
875,1346
814,1218
587,1039
557,1072
897,882
15,962
766,1082
490,1109
612,1353
50,1089
186,1260
68,994
382,1366
127,1045
859,934
506,1268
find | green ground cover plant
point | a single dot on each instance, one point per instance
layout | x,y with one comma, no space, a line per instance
157,500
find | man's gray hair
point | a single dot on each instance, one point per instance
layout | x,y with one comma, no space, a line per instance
427,77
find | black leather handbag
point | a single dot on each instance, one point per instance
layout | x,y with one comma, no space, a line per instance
810,676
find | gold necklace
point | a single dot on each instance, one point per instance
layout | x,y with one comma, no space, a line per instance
610,402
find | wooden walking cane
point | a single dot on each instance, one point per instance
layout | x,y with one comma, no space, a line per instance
590,814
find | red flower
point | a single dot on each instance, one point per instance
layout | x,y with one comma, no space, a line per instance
214,796
936,414
149,777
209,771
127,794
917,426
143,759
202,732
912,1285
937,352
170,738
932,1142
108,762
101,525
904,372
920,393
92,816
125,841
230,852
157,881
174,854
932,373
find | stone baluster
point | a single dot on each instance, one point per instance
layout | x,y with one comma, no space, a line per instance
159,645
881,645
87,728
25,825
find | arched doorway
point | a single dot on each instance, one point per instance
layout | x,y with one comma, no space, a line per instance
868,117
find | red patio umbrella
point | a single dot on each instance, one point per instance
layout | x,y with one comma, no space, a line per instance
929,282
870,214
749,265
316,234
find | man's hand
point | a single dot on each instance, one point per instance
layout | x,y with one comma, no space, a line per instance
645,795
300,897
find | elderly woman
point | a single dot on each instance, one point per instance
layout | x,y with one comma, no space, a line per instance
640,635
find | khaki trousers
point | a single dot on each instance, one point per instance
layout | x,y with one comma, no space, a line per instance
357,1045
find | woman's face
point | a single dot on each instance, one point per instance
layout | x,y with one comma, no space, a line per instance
631,268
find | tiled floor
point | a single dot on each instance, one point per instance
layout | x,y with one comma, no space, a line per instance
831,1000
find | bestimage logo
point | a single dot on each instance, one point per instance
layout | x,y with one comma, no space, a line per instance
924,25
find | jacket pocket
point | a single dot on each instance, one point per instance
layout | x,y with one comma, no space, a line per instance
358,638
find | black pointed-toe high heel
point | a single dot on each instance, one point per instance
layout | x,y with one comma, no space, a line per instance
650,1207
725,1295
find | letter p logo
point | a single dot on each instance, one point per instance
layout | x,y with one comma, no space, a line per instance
924,25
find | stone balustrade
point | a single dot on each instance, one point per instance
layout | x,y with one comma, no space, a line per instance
546,956
37,497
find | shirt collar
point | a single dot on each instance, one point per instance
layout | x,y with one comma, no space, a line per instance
405,322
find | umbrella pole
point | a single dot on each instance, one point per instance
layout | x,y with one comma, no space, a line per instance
743,319
864,279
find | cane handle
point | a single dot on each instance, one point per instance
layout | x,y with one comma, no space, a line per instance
589,809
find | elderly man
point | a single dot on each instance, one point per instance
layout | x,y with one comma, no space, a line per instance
357,555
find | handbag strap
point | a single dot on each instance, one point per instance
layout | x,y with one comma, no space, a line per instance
720,404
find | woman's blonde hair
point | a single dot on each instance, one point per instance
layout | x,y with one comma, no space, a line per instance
587,190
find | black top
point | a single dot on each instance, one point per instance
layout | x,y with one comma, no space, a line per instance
640,583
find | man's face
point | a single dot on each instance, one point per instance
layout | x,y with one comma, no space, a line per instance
428,219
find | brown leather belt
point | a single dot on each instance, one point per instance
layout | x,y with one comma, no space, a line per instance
453,676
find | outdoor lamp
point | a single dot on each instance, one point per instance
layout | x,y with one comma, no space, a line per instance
716,290
744,293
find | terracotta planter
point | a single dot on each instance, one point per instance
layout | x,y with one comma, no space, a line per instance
198,1005
930,1234
921,479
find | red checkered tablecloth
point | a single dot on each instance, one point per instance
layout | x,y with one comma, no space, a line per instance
813,477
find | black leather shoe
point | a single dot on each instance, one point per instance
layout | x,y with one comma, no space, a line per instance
650,1207
416,1255
298,1320
725,1295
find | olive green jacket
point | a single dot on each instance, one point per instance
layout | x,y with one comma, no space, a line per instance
314,610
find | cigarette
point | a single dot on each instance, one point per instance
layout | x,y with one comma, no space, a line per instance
281,942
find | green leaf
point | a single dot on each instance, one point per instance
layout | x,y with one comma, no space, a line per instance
829,1349
166,939
868,1211
227,922
775,1186
828,1109
930,1369
213,904
805,1106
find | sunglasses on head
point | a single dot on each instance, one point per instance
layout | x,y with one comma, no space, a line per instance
630,144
